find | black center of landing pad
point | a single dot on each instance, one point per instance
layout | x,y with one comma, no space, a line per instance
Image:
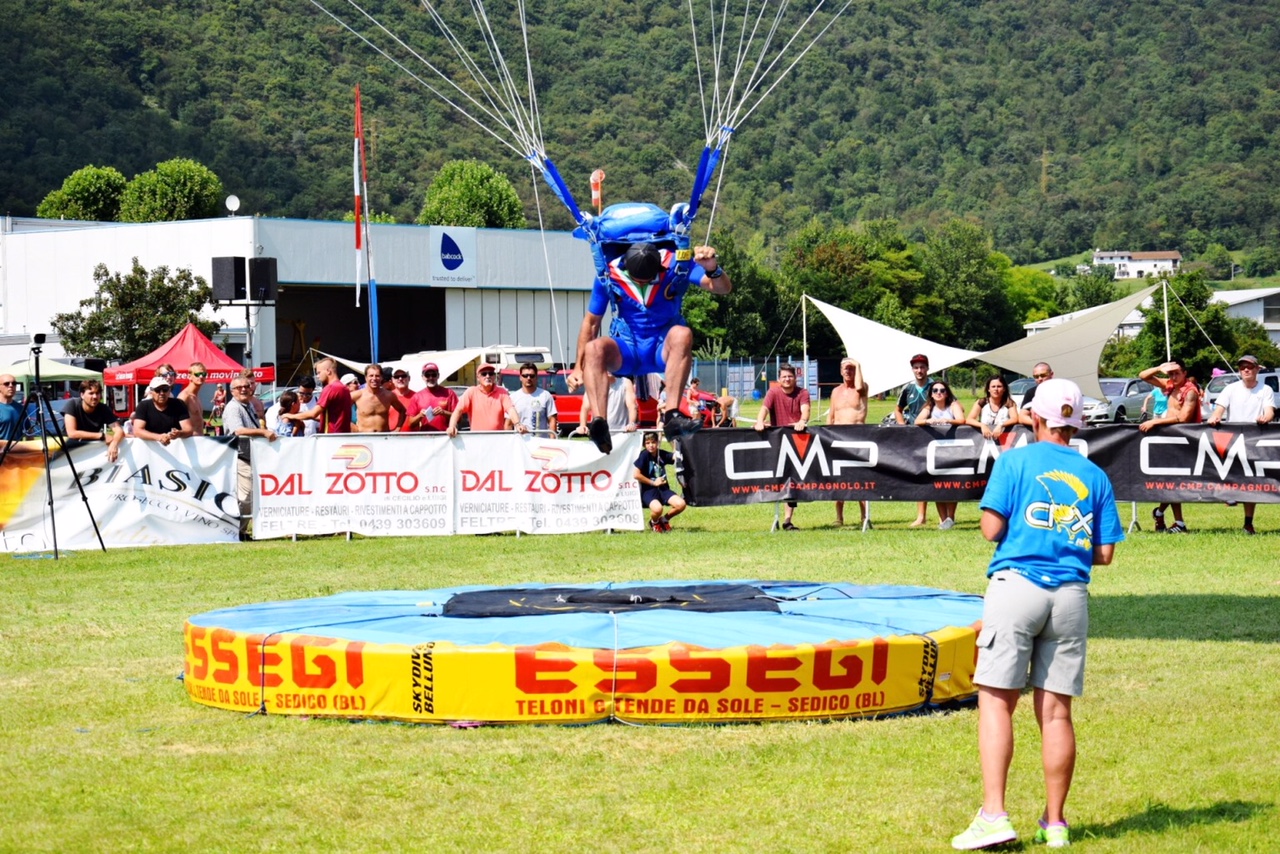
528,601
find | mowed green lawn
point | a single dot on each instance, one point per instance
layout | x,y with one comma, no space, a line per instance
102,751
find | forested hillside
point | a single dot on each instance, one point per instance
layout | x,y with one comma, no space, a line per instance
1057,124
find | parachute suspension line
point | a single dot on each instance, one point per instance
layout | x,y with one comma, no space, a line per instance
528,79
497,102
525,123
505,93
546,261
697,64
745,39
739,116
442,95
715,197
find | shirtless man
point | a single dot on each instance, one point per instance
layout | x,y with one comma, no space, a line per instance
190,397
849,406
375,403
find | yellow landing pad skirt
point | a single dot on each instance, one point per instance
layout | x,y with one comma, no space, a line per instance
637,652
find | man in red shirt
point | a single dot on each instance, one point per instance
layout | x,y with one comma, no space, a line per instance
429,410
485,404
334,409
785,406
400,388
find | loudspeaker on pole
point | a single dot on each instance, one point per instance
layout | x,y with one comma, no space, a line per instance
262,279
228,279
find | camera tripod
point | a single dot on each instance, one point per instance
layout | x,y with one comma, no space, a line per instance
45,420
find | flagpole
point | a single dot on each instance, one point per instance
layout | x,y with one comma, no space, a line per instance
364,251
355,191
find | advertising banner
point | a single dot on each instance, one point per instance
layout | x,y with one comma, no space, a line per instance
421,485
438,682
153,494
923,463
375,484
545,486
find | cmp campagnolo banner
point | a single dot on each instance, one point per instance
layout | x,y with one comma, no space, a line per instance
925,463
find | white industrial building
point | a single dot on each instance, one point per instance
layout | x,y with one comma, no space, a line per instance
495,286
1260,304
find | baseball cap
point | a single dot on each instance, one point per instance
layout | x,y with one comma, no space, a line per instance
1247,358
921,357
159,382
431,366
643,260
349,378
487,369
1059,403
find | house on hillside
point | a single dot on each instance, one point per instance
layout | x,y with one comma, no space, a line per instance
1138,265
1260,304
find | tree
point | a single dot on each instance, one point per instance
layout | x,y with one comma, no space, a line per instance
379,217
1263,261
471,193
176,189
851,268
92,193
1097,287
890,312
1218,261
1190,312
747,318
966,305
135,313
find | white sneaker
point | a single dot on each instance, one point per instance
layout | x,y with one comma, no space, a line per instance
946,524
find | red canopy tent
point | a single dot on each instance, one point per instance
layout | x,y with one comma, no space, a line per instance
189,345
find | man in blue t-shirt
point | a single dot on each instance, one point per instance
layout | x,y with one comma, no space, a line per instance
648,334
1052,515
10,414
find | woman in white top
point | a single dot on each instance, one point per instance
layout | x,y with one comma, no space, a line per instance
994,413
942,410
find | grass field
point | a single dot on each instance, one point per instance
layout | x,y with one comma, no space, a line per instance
103,751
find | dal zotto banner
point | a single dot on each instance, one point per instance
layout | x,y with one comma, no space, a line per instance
1186,462
423,485
152,494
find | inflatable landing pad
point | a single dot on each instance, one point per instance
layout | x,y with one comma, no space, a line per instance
640,652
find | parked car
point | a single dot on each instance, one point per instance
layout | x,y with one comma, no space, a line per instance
1018,389
569,404
1122,401
1218,383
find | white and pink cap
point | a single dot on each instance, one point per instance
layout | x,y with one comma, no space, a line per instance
1059,403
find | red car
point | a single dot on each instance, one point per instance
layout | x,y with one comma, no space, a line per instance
569,403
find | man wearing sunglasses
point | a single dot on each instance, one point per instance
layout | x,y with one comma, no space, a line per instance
535,406
400,388
486,404
190,397
431,407
10,414
160,418
1039,373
